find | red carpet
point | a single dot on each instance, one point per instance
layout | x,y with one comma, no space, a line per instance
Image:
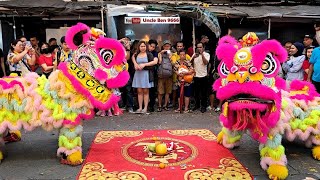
196,155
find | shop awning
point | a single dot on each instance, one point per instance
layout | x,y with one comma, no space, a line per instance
300,11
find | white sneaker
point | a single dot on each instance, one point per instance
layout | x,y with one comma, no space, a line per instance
99,113
130,110
209,108
217,109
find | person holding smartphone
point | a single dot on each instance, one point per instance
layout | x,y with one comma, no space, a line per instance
200,60
19,58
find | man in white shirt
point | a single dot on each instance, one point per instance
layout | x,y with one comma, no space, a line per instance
200,60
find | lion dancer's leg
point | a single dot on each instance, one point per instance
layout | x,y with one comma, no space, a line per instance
273,158
70,145
116,110
316,148
229,139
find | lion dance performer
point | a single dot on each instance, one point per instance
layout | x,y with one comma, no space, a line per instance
256,100
70,94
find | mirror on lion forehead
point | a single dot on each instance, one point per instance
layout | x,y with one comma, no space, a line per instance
86,58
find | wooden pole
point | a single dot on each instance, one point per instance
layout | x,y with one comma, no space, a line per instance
269,28
193,36
102,18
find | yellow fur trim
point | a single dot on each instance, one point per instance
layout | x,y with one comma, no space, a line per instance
1,156
75,158
277,172
256,77
231,77
220,137
225,109
316,152
273,153
14,74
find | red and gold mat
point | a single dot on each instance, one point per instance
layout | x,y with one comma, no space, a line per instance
197,155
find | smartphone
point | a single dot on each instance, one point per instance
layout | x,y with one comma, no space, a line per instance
197,52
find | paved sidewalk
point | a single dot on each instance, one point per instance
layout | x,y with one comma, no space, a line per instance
35,156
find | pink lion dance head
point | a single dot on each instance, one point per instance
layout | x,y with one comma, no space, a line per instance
98,65
248,86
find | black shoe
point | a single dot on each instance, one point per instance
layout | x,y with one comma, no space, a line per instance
151,109
203,110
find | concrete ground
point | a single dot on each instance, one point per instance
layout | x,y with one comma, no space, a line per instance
35,156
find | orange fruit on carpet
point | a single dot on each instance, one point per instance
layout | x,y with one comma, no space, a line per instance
162,165
161,149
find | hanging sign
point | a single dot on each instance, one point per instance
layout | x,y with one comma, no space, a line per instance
152,20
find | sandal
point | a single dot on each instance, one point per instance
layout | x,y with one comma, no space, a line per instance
186,111
166,108
145,112
159,109
177,110
138,111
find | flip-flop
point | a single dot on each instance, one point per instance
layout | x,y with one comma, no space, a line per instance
138,111
186,111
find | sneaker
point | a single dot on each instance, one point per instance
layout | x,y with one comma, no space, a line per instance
203,110
130,110
103,113
99,113
145,112
110,114
217,109
209,108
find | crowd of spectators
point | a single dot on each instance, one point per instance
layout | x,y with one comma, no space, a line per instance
158,72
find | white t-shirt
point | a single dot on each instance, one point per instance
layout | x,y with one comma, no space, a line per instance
199,67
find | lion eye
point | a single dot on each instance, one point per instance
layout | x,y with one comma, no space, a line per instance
224,70
269,65
107,55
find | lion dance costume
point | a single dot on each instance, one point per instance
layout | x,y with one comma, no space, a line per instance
69,95
256,100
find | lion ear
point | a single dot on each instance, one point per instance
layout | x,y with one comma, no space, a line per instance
107,46
77,35
226,49
260,51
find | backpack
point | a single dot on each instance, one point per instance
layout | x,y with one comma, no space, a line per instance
165,68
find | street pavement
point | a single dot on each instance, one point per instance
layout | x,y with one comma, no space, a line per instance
35,156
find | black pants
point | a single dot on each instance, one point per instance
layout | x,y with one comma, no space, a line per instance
127,95
200,91
152,97
316,85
